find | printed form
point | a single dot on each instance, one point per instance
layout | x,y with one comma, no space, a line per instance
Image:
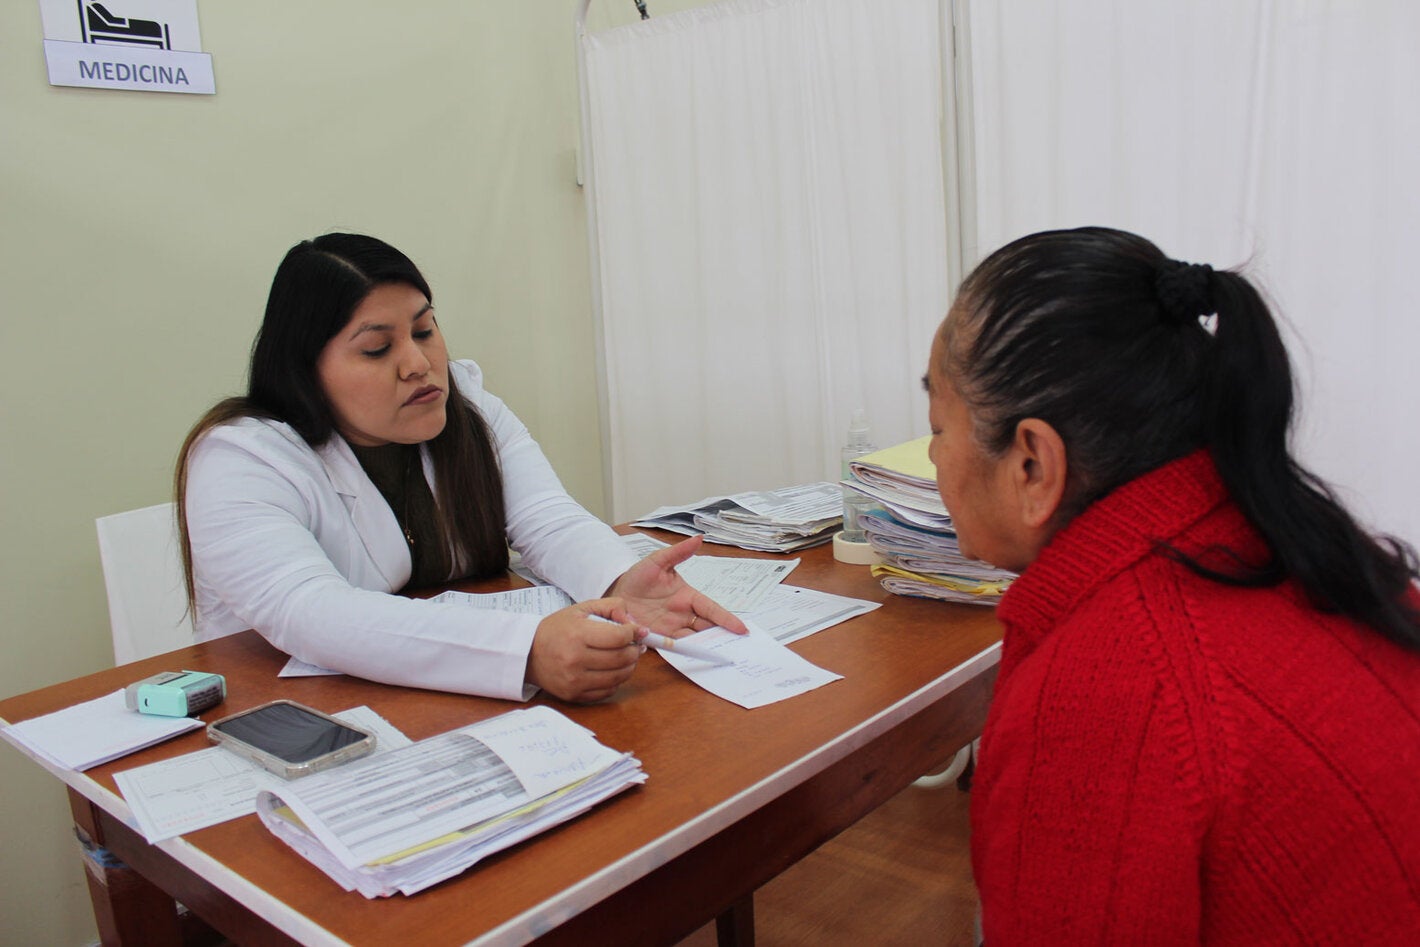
444,784
195,790
764,670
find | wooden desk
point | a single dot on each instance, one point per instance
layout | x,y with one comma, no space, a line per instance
734,797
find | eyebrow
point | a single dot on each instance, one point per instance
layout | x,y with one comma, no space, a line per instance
384,327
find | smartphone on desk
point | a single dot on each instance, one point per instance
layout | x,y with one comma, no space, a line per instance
290,739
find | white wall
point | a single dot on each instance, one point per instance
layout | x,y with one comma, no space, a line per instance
138,235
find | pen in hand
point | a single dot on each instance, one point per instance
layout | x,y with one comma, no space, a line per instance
680,646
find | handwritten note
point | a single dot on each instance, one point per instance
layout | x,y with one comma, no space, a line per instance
543,749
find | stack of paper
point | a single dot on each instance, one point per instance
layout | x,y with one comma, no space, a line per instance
189,792
95,732
413,817
772,521
912,531
929,564
903,480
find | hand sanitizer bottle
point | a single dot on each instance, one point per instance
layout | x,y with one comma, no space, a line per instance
851,545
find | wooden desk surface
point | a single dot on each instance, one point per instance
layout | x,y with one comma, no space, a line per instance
733,797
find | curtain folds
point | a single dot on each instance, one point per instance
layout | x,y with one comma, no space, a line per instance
1282,136
767,187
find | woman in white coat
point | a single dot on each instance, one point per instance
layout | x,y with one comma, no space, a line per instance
362,462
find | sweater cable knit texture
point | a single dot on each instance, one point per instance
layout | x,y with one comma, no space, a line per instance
1171,760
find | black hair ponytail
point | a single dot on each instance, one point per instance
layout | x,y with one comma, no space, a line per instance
1136,359
1313,539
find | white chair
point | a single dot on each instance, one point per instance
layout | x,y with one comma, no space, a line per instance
147,604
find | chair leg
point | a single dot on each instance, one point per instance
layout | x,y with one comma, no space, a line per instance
735,926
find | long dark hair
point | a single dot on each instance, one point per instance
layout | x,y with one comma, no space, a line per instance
1136,359
317,288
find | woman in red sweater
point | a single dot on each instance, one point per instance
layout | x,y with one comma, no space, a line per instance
1206,727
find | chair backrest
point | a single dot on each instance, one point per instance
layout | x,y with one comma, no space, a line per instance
147,604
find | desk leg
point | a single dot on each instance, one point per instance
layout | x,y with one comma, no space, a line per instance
128,908
735,927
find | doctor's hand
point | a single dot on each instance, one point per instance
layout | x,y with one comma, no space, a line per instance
661,600
580,658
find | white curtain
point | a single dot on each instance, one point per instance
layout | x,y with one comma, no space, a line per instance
1280,135
766,185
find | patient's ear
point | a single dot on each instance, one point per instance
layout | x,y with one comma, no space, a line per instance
1039,471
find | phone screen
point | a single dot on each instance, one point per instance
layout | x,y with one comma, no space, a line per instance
289,733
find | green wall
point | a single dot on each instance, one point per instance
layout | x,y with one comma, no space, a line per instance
138,235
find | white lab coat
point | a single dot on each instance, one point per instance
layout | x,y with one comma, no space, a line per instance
299,544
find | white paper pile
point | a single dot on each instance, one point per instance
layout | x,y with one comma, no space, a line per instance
418,815
929,564
185,793
912,531
780,520
96,731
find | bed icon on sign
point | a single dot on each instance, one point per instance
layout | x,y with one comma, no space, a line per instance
102,27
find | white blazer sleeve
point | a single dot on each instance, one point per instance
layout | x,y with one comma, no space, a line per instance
255,511
300,546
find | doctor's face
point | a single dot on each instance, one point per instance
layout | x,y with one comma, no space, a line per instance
386,374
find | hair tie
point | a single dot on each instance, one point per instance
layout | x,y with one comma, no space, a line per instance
1184,291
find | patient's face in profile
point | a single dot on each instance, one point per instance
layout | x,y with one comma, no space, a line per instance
386,373
974,487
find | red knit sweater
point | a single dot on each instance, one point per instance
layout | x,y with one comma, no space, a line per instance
1170,760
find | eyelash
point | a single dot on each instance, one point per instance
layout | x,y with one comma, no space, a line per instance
420,335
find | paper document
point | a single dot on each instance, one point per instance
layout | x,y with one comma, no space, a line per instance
425,812
927,510
928,563
908,463
789,613
96,731
751,588
785,611
295,667
912,532
764,670
536,600
739,585
195,790
803,505
643,545
768,521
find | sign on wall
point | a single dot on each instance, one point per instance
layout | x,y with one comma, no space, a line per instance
143,45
